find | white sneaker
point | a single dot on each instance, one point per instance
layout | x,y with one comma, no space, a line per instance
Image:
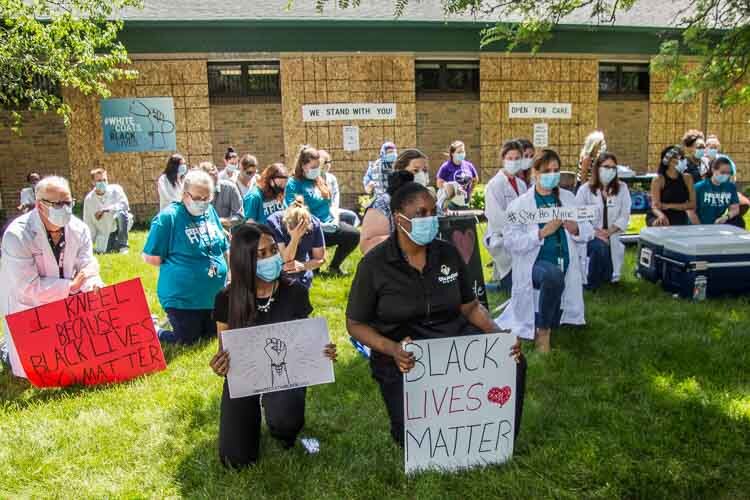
124,250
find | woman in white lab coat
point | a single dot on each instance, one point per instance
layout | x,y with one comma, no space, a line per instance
602,257
169,184
547,283
47,256
505,187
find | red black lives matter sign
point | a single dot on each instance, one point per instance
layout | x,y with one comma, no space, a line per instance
97,337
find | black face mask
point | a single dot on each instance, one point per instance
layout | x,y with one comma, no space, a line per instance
276,190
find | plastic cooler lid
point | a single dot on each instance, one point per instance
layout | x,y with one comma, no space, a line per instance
733,244
658,235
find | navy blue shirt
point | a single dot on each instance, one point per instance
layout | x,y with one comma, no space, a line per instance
312,239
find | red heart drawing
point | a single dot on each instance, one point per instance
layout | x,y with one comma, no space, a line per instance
498,395
464,242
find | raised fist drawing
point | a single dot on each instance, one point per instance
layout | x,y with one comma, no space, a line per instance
276,351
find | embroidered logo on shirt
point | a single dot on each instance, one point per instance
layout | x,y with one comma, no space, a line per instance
446,278
445,270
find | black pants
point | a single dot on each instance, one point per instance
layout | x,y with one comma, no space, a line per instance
239,423
392,390
345,239
188,326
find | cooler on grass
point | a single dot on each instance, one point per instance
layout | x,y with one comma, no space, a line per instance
724,262
652,239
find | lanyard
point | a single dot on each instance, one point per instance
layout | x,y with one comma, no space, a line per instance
60,247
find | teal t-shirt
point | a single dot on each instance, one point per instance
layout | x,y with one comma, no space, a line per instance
320,207
193,268
712,200
555,245
258,209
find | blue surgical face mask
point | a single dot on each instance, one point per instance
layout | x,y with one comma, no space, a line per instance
269,269
513,166
459,157
231,168
389,157
313,173
712,152
721,178
423,229
550,180
59,216
101,186
699,153
182,170
681,165
197,208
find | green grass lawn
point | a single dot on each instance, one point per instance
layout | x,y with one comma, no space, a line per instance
650,400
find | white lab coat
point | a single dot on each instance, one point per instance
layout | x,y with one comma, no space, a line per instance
618,214
497,196
114,200
27,196
167,192
29,273
522,241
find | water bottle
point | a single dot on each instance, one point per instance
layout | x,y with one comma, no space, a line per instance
699,289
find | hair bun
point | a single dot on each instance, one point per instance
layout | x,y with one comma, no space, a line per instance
230,149
398,178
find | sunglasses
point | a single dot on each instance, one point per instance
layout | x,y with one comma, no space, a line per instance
60,204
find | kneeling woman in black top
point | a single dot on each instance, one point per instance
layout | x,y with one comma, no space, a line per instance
412,286
245,302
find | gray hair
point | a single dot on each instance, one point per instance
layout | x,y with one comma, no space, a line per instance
198,177
51,181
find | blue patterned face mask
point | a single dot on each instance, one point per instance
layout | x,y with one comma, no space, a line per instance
390,157
101,186
423,229
269,269
721,178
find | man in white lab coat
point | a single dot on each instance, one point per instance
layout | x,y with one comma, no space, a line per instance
106,212
46,256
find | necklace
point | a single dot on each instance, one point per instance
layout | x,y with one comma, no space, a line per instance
264,308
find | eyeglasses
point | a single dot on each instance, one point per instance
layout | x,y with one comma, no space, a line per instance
280,177
327,162
60,204
195,198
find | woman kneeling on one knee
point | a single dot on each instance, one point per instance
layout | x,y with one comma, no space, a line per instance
258,295
413,286
543,278
602,257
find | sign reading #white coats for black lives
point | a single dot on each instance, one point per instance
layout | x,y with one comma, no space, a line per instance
348,111
459,403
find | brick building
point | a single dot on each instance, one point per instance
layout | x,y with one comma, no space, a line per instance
240,73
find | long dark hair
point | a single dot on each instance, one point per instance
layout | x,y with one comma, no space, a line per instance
173,166
595,182
243,258
544,157
271,172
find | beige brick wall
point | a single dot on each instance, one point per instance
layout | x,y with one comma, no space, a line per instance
319,79
187,82
507,78
249,128
41,147
733,129
439,123
625,125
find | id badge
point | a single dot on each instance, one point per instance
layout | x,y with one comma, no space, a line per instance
212,270
561,264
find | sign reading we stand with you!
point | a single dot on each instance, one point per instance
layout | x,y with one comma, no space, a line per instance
89,338
459,403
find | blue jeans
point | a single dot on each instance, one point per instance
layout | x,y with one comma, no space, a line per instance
550,281
119,239
600,264
188,326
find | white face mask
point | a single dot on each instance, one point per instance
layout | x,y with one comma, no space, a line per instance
513,166
526,163
59,216
607,175
313,173
196,208
422,178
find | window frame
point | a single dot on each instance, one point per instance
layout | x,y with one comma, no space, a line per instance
445,92
619,92
246,94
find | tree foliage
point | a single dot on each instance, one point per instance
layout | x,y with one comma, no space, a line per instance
46,45
712,34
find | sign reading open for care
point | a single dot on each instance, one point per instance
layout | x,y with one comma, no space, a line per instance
348,111
540,110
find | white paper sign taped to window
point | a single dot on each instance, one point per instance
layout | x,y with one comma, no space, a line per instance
348,112
544,215
541,135
459,403
277,357
351,138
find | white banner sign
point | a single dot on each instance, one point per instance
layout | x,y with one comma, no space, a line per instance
540,110
277,357
351,138
541,135
459,403
544,215
348,111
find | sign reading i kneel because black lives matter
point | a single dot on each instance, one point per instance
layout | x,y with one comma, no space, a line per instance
459,403
90,338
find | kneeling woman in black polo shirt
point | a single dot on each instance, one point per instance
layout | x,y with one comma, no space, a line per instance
248,301
396,296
